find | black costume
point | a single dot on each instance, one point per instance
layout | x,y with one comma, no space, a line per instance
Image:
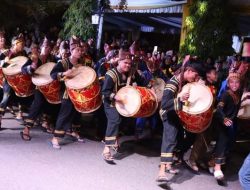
39,103
227,108
67,113
171,122
7,90
114,80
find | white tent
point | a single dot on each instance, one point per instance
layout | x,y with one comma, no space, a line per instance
147,6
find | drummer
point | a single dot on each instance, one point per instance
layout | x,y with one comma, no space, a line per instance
115,79
203,139
39,104
16,50
67,113
171,122
149,75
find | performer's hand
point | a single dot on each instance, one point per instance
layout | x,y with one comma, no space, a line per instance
67,73
185,96
118,99
6,59
186,59
152,90
228,122
34,65
34,59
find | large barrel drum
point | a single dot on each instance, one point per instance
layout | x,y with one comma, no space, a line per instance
136,102
197,114
21,83
84,89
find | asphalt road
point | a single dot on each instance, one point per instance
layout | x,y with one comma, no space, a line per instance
35,165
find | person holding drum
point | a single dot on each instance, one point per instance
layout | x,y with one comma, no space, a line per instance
171,123
203,139
16,50
151,75
115,79
226,113
61,71
39,103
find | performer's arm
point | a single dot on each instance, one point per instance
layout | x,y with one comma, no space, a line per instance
139,79
108,89
28,69
169,102
220,107
57,71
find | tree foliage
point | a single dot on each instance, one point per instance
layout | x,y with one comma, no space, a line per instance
77,20
209,29
29,14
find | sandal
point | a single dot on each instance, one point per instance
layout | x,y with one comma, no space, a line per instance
108,157
78,137
55,145
19,116
192,166
171,170
25,137
11,110
47,130
162,178
218,174
115,148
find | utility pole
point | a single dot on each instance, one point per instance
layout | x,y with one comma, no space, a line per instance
100,26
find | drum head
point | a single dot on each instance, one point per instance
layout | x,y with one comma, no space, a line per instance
131,101
42,74
200,99
15,65
158,86
82,77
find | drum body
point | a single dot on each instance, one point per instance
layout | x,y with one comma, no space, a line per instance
158,85
46,85
84,89
137,102
244,111
21,83
197,115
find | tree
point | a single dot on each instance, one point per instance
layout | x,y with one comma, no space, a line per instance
77,20
209,29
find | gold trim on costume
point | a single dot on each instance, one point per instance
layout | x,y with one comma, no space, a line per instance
110,138
167,155
59,132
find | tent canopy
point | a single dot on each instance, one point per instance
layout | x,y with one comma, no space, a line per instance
143,6
160,23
